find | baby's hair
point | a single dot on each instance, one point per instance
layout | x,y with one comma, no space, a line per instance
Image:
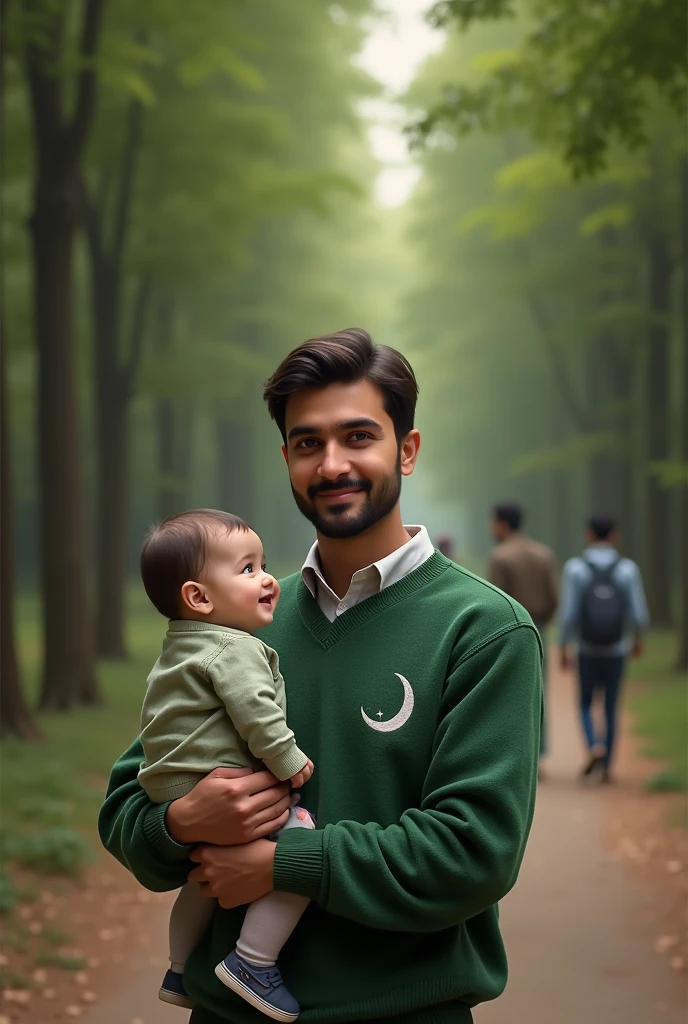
176,550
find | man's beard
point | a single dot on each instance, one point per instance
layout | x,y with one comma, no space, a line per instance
340,524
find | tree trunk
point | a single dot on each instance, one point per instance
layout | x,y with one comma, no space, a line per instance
169,498
15,717
113,493
235,468
68,671
167,491
658,554
112,394
682,664
115,373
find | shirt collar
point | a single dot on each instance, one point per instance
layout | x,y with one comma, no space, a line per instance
389,570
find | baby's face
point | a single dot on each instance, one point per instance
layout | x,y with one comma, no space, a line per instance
242,594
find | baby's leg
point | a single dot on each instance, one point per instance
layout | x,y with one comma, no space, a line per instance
189,919
270,921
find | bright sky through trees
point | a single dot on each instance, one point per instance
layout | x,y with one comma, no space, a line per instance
399,40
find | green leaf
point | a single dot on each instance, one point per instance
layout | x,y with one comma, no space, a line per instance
670,472
215,59
573,452
615,215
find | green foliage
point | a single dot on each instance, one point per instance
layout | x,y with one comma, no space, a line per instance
13,979
666,781
55,851
582,78
8,892
64,963
660,711
670,472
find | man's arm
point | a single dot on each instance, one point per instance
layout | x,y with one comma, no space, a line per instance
569,606
552,586
133,829
154,841
639,614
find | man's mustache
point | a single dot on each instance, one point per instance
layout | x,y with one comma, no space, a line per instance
339,485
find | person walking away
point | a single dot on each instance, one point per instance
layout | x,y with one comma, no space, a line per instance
604,614
526,571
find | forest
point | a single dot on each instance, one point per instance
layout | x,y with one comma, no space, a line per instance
186,199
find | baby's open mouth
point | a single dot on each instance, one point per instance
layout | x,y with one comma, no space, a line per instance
266,600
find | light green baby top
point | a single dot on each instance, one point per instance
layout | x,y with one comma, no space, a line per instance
215,698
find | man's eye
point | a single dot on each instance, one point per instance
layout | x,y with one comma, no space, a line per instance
248,569
307,442
360,435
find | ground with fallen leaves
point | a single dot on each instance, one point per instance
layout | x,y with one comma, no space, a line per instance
116,929
648,834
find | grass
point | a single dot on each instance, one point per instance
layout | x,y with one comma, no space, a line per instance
51,791
659,703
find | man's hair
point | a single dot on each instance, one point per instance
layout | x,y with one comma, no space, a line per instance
343,358
510,514
601,526
176,550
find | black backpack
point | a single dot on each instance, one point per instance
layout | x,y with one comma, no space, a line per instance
603,607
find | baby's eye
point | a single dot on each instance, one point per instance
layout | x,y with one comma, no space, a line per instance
248,569
264,566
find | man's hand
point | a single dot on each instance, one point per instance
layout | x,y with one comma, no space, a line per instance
229,806
234,875
302,777
638,649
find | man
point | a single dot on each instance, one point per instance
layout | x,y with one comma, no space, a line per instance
414,686
525,570
603,612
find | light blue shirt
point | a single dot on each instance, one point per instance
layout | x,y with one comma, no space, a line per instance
576,577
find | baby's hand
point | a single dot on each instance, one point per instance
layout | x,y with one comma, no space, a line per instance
303,776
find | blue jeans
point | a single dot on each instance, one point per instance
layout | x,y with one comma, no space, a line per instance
605,675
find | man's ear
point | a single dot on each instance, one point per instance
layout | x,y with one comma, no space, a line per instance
285,453
410,447
196,599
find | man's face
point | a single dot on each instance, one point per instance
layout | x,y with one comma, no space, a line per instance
345,465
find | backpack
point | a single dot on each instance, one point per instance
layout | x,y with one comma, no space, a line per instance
603,607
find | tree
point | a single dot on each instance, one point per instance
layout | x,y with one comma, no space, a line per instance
41,32
580,78
536,291
15,717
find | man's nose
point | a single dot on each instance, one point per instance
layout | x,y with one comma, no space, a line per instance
334,463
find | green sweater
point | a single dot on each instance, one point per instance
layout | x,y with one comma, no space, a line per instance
421,709
215,698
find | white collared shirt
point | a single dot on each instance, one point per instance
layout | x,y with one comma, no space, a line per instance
370,580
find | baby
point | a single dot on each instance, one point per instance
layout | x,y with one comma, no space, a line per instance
216,698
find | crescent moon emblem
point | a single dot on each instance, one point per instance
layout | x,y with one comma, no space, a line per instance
402,715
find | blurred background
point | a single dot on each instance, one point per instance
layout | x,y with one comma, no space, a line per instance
497,188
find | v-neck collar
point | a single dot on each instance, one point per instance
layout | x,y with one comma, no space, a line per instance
328,633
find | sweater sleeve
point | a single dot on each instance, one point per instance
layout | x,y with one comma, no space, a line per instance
133,830
242,677
460,851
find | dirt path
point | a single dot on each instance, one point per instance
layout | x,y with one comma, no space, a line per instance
578,932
